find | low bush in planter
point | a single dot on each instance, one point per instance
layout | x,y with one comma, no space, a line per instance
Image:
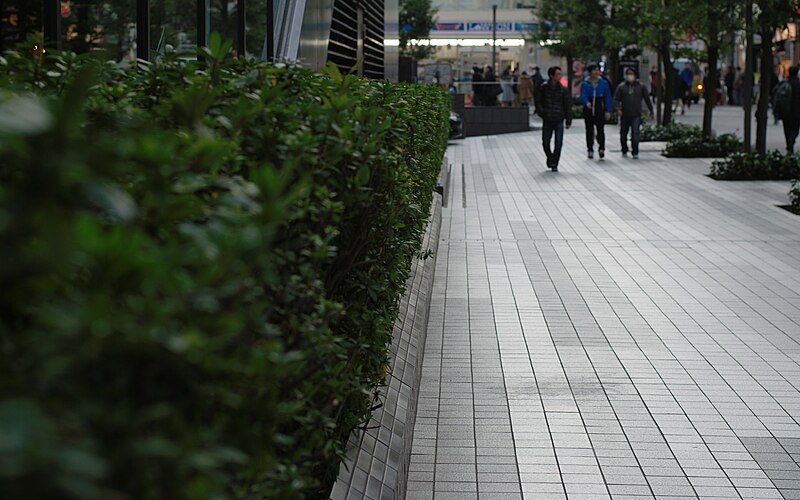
794,196
751,166
666,133
201,268
700,147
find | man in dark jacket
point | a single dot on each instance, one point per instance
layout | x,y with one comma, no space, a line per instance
491,87
554,106
730,81
628,103
477,88
791,120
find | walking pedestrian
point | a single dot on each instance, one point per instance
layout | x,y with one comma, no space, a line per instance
786,105
687,78
730,81
491,88
628,103
525,86
738,87
653,82
678,96
507,86
596,98
477,86
554,106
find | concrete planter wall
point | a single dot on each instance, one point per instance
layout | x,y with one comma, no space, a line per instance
492,120
377,459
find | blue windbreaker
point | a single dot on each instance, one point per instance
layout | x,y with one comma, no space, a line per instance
601,93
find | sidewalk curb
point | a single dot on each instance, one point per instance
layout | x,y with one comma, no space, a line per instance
378,458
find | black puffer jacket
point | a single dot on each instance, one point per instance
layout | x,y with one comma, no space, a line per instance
553,102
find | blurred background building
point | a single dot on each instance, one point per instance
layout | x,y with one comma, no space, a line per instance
348,33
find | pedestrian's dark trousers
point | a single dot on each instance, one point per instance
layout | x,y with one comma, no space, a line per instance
791,126
632,124
549,128
596,121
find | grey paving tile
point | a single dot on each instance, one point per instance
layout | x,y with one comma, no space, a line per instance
626,328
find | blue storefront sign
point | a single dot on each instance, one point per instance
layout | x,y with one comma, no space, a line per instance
488,26
484,27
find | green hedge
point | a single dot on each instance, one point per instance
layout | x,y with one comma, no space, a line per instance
201,269
794,196
666,133
752,166
700,147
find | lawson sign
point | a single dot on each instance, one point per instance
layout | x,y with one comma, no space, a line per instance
485,27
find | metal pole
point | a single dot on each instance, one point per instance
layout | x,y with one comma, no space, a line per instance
748,77
494,37
270,30
241,20
51,20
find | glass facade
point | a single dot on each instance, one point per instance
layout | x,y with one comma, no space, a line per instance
17,21
173,26
98,25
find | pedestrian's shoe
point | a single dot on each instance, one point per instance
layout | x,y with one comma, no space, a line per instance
591,155
602,154
624,154
555,168
635,157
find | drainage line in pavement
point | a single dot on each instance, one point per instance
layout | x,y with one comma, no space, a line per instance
463,188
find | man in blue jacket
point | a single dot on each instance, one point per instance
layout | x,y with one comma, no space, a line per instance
596,98
687,80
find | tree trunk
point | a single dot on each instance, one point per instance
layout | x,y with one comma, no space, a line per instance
710,89
712,78
669,80
767,74
613,67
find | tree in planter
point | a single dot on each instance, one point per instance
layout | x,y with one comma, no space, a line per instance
587,30
416,20
716,20
574,26
770,15
662,21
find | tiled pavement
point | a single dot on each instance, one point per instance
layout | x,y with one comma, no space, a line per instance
620,329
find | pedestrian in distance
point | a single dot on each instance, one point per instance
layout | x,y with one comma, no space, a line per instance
525,86
554,106
679,94
477,86
653,82
507,86
491,87
536,76
786,105
730,81
628,102
687,79
596,99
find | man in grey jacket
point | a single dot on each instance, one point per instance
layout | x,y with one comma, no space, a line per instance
628,103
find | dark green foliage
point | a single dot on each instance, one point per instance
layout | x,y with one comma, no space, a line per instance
794,196
417,18
700,147
201,268
752,166
671,132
